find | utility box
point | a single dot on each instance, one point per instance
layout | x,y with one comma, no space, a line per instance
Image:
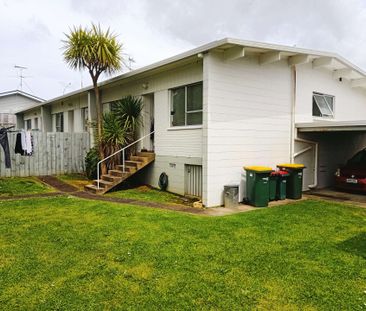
231,196
294,180
257,185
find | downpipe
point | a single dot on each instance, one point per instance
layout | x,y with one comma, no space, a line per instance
293,106
316,147
293,132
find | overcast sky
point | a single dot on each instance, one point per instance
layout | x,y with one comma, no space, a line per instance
151,30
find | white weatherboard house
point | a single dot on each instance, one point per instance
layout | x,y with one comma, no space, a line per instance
232,103
13,101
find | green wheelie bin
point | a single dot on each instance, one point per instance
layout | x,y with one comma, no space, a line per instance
257,185
294,180
277,185
273,177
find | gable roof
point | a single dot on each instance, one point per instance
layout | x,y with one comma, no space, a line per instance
21,93
331,60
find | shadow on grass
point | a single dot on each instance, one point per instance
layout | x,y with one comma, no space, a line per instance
355,245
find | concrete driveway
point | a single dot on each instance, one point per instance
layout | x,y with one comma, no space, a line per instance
338,196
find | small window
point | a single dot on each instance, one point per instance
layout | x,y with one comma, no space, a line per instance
60,122
186,105
36,123
323,105
28,124
84,115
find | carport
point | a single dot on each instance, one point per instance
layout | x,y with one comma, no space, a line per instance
323,146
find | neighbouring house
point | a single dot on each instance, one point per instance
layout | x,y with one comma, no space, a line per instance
232,103
13,101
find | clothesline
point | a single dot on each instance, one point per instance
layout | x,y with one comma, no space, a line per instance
19,131
23,144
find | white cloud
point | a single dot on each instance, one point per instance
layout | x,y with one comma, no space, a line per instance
152,30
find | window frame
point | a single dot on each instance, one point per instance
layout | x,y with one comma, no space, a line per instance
28,124
36,123
186,112
85,118
61,126
331,109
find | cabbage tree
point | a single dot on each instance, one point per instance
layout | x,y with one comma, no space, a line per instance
97,51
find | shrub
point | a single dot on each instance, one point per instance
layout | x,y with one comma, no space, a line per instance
91,161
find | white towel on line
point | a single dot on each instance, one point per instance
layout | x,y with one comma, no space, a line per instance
28,141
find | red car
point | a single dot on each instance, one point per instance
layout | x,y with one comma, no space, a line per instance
352,176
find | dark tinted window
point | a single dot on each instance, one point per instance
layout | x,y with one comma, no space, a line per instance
358,158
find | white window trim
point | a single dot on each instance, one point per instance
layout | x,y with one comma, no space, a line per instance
28,121
185,127
180,127
332,110
63,122
85,118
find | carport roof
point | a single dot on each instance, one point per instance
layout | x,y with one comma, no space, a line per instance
331,126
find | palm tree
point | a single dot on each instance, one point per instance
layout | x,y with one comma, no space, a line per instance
97,51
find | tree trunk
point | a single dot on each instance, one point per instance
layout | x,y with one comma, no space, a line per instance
98,105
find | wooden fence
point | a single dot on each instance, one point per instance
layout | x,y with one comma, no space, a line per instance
53,154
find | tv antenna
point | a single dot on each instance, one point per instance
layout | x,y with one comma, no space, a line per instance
20,76
130,61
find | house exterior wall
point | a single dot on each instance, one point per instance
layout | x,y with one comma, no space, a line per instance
247,120
12,103
33,115
71,108
174,147
350,103
185,141
15,102
334,148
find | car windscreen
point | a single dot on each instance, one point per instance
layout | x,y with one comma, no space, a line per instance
358,159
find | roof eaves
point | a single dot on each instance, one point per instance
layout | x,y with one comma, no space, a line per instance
19,92
205,48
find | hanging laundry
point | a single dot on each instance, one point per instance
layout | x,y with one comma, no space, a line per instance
28,141
23,140
5,144
18,145
24,143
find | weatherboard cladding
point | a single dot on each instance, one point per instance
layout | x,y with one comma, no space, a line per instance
350,103
248,119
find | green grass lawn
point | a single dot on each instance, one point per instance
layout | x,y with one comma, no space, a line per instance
72,254
22,185
146,193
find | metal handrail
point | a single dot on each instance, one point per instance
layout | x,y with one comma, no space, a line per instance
123,155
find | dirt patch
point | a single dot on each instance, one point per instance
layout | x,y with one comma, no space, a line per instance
173,207
57,184
28,196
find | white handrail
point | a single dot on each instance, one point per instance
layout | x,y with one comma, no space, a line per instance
123,155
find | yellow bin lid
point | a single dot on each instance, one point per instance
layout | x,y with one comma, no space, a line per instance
291,165
258,168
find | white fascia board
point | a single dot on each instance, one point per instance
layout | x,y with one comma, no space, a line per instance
210,46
